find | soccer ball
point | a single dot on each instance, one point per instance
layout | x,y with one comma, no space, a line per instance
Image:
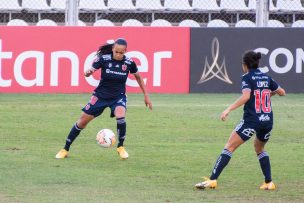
105,138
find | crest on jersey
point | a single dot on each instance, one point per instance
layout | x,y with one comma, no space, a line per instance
124,67
214,69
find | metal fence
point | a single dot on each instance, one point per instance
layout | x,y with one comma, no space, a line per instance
194,13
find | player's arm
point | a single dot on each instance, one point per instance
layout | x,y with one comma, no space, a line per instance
280,91
239,102
97,63
276,89
89,72
143,89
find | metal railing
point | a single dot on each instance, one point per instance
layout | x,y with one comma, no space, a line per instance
195,13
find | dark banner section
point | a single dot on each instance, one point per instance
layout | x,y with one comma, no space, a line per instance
216,57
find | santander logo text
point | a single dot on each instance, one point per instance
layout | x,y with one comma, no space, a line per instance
39,58
53,59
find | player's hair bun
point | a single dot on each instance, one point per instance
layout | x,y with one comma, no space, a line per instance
251,59
258,55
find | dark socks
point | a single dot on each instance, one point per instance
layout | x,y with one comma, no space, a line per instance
265,166
220,164
72,136
121,130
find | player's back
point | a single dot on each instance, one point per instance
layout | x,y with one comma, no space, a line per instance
258,108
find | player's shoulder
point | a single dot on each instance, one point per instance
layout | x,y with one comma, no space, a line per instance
245,76
128,60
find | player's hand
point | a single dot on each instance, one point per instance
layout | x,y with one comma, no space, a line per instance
148,102
225,114
89,72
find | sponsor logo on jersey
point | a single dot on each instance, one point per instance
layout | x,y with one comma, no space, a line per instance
115,72
110,65
264,117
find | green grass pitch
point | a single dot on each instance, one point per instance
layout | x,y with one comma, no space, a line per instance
170,149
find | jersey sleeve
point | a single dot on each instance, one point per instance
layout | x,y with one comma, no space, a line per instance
133,67
273,85
245,83
98,62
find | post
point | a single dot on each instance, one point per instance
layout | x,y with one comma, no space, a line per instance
262,13
71,13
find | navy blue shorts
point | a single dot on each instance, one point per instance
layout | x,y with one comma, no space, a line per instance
246,129
96,106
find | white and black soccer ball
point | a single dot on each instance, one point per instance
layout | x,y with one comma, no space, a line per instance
105,138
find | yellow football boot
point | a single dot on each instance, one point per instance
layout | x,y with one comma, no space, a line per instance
206,184
268,186
62,154
122,152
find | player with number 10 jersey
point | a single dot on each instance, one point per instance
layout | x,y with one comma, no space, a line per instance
257,88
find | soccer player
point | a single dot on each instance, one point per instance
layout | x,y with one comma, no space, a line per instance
257,88
110,92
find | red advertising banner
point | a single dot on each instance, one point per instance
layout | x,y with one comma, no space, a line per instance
53,59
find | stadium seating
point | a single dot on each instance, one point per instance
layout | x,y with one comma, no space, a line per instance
46,22
245,23
11,5
92,5
252,5
81,23
275,23
205,5
132,23
39,5
160,23
289,5
298,23
120,5
58,5
233,5
103,22
217,23
272,7
189,23
17,22
177,5
147,5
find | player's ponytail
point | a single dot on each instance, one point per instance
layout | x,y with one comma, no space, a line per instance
252,59
107,48
104,49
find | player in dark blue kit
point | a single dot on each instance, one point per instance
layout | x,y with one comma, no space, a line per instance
115,67
257,88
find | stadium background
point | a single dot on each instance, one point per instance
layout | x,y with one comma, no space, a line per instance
160,34
182,135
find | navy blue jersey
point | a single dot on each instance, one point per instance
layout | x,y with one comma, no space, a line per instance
258,108
114,75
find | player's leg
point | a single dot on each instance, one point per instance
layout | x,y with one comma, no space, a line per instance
76,129
259,146
82,122
239,135
118,109
92,110
120,113
232,144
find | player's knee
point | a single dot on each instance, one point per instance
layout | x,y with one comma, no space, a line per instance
120,112
258,148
